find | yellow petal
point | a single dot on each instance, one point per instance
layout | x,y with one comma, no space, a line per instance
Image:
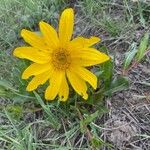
84,42
86,75
32,54
64,90
78,84
33,39
35,69
55,83
50,35
38,80
66,26
88,57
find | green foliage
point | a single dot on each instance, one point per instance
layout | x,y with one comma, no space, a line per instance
111,85
142,47
136,54
107,73
129,56
118,84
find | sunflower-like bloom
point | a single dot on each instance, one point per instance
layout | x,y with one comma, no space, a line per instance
59,59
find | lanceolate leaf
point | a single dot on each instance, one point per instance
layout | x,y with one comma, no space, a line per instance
143,47
107,71
118,84
130,55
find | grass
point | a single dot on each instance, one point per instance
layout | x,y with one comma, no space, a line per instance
29,123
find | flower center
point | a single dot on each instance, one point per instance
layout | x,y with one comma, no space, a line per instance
61,59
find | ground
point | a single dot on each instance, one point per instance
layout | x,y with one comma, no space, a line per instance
27,122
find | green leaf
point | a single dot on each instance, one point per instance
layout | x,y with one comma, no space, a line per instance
106,69
130,55
142,47
118,84
107,72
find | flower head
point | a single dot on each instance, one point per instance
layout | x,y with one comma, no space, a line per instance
59,59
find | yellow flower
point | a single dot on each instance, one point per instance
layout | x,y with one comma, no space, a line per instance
59,59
